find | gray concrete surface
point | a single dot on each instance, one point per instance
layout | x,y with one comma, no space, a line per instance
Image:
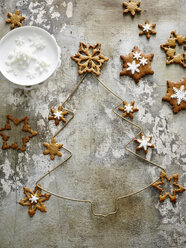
100,168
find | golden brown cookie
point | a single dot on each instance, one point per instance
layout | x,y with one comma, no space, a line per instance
89,58
131,7
58,115
176,95
128,109
52,149
177,188
15,19
25,128
137,64
34,200
147,29
170,49
144,143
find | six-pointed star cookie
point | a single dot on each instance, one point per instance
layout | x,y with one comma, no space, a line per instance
144,143
176,95
128,109
89,58
25,128
15,19
131,7
147,29
137,64
58,115
177,188
52,149
34,200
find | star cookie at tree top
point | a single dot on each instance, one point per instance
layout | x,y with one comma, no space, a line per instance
52,149
170,49
89,58
25,128
177,188
34,200
147,29
131,7
15,19
58,115
137,64
144,143
128,109
176,95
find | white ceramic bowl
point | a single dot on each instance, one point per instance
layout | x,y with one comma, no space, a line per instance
28,55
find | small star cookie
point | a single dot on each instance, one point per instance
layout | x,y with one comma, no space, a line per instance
147,29
15,19
176,95
52,149
144,143
34,200
131,7
128,109
177,188
58,115
137,64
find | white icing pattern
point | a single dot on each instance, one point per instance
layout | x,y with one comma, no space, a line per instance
58,115
128,108
180,94
33,199
147,27
136,55
133,67
143,61
144,142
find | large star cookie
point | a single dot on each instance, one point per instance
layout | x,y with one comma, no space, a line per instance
131,7
147,29
58,115
144,143
34,200
176,95
15,19
137,64
52,149
177,188
89,58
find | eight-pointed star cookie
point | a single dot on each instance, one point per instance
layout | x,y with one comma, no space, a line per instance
147,29
177,188
176,95
144,143
58,115
34,200
25,128
52,149
128,109
137,64
15,19
131,7
89,58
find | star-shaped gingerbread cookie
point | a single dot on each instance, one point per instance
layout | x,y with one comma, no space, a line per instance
34,200
128,109
131,7
177,188
137,64
15,19
25,128
58,115
52,149
89,58
176,95
144,143
147,29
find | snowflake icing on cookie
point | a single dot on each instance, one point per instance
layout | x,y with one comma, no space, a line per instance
58,115
136,55
143,61
133,67
147,27
33,199
180,94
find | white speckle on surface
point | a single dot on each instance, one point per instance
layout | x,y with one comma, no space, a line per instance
49,2
69,9
55,15
64,4
63,27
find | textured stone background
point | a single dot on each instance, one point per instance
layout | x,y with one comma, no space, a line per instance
100,168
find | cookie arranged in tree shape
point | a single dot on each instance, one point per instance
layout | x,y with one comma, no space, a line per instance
147,29
15,19
144,143
176,95
170,48
177,188
52,149
132,7
137,64
58,115
128,109
89,58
